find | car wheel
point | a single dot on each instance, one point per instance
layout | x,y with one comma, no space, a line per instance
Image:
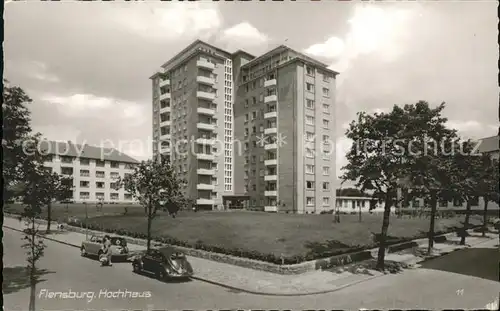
161,275
83,252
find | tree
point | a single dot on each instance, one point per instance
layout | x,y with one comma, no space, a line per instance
57,188
466,171
488,185
34,199
374,161
431,148
156,186
16,129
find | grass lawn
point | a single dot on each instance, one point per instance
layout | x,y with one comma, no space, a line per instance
266,233
279,234
60,213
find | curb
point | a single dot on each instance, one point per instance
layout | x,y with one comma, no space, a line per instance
232,287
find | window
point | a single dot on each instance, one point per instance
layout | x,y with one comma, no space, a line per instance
310,103
99,195
310,185
415,203
310,71
457,203
309,201
309,153
326,170
84,161
261,173
246,132
99,163
309,169
326,186
84,184
246,103
254,115
113,196
326,123
326,77
309,136
128,196
84,195
326,92
100,174
84,173
326,139
326,201
310,120
246,117
309,87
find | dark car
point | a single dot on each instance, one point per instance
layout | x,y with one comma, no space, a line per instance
165,263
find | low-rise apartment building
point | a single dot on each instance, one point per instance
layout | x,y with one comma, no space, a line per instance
94,170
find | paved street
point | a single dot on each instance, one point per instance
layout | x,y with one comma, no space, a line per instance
65,270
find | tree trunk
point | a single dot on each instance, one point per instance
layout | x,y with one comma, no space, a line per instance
383,235
431,227
485,217
49,216
466,222
32,268
150,220
32,288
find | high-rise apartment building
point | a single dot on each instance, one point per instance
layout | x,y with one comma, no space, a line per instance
262,129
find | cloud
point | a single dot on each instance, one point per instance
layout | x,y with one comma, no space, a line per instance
472,128
243,35
172,21
331,48
343,145
372,29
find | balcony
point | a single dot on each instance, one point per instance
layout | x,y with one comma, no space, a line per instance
270,208
205,80
272,114
165,109
204,156
205,202
205,187
205,95
271,162
165,96
165,137
271,177
270,146
165,123
205,126
269,83
271,193
164,82
206,111
271,130
204,171
205,64
205,141
270,98
165,150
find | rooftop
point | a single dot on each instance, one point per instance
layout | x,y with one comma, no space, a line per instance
489,144
84,151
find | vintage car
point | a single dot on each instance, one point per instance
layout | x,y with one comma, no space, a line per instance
165,263
94,247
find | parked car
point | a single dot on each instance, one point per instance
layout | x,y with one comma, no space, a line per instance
165,263
94,247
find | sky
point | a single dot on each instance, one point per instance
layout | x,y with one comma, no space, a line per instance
87,65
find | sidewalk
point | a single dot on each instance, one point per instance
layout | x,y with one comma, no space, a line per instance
255,281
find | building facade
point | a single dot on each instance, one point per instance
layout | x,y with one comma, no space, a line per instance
257,128
94,170
193,121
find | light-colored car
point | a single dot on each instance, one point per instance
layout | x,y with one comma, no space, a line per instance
95,247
